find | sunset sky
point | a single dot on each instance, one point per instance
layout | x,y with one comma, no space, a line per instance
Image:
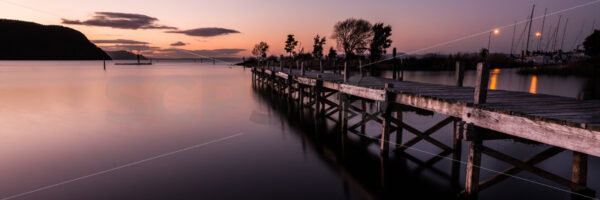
416,24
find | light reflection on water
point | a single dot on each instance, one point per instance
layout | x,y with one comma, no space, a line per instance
62,120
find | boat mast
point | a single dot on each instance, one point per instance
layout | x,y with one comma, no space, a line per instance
556,34
542,31
513,39
564,34
529,32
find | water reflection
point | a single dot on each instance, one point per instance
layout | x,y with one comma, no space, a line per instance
494,79
533,85
357,160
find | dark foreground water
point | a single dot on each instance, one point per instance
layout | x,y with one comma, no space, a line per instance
70,130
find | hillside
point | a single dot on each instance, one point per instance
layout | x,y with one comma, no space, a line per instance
31,41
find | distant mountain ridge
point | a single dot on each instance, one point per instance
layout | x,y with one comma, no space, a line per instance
20,40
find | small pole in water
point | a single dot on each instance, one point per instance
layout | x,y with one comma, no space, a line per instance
138,58
214,61
104,63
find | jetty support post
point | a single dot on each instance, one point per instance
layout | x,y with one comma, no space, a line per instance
386,108
481,83
476,144
473,162
104,63
302,69
317,96
456,139
579,174
360,67
321,65
460,73
281,63
345,72
343,112
394,70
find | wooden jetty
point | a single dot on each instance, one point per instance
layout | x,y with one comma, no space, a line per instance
477,114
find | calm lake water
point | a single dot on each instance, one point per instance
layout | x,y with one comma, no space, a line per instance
70,130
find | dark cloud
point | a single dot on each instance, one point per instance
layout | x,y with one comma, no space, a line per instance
206,32
178,44
118,41
181,53
120,20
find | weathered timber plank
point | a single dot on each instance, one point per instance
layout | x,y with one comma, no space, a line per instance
573,138
368,93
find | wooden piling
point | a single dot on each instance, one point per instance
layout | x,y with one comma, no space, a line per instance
345,72
579,173
104,64
460,73
281,63
401,71
343,113
481,83
363,107
386,108
321,65
473,162
302,69
317,97
360,67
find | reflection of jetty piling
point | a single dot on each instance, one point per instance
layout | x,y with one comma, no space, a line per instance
478,115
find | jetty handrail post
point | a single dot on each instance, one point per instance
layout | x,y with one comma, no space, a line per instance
302,69
401,70
460,73
458,127
476,145
343,112
345,72
360,67
321,65
281,63
481,83
394,70
385,108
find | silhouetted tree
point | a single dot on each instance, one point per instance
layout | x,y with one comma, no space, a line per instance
332,53
484,52
260,50
290,44
592,44
380,41
352,35
318,47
